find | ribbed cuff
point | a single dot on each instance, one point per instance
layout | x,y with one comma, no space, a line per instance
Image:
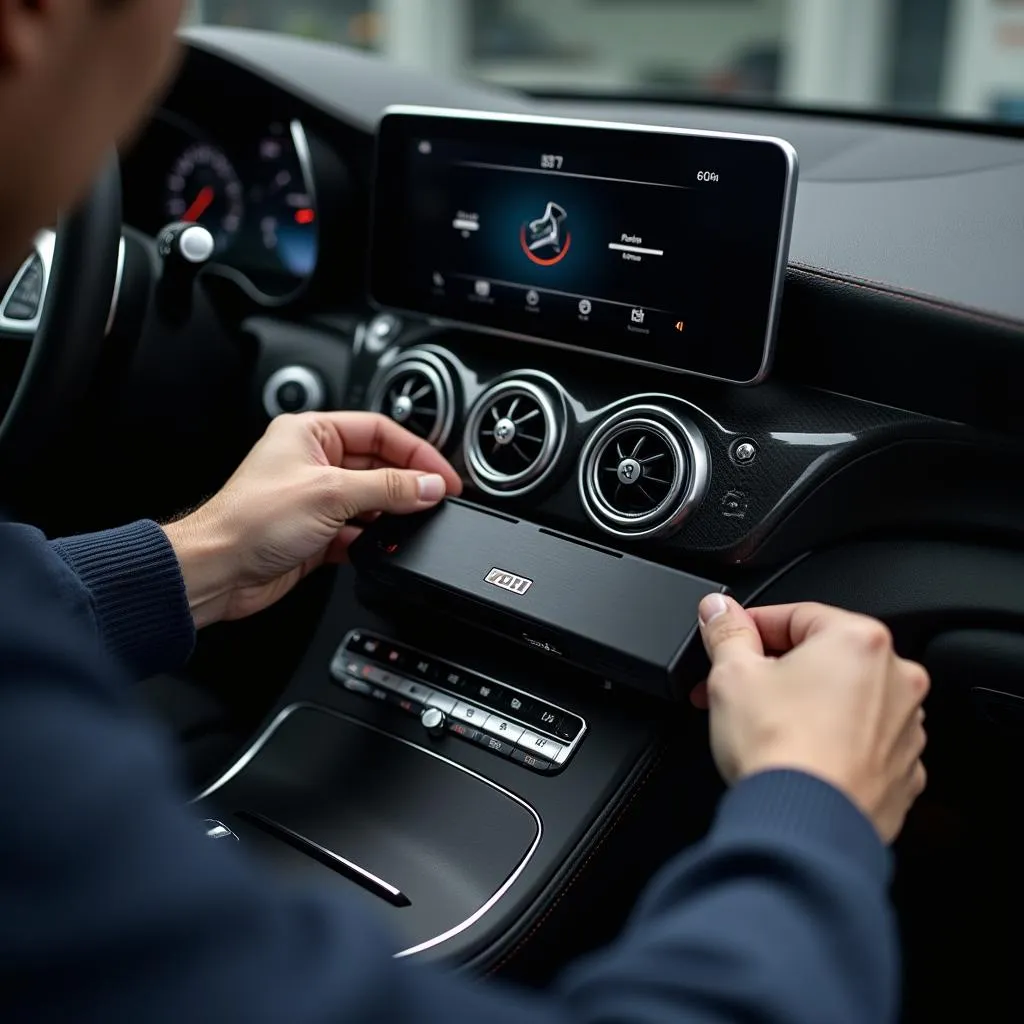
797,806
138,594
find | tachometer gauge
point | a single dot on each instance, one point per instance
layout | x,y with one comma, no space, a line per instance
203,188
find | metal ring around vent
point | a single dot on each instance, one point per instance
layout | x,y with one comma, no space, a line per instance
689,482
438,376
484,476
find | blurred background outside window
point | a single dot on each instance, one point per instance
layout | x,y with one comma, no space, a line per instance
957,58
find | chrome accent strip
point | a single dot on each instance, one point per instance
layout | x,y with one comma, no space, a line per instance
261,741
434,369
43,245
115,299
367,879
785,233
503,485
667,517
570,748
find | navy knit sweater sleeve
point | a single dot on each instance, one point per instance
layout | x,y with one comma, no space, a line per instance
115,908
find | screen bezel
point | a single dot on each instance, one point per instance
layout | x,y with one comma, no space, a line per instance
781,257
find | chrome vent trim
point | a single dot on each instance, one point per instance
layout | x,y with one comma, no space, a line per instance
418,391
514,435
642,472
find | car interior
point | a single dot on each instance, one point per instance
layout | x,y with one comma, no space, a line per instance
774,353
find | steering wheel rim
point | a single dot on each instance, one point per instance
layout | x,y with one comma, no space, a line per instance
82,267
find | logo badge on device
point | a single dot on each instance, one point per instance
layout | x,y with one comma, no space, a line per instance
508,581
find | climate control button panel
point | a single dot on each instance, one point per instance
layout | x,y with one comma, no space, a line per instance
508,722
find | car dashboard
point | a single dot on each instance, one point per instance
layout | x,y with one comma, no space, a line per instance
876,467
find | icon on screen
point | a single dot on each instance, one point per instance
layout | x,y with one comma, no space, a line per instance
638,316
546,240
533,297
483,289
586,307
438,279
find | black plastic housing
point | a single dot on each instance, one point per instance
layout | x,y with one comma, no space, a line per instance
625,619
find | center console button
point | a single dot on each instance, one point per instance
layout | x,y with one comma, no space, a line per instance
467,732
452,680
358,686
426,670
344,664
540,746
516,704
487,693
413,690
468,713
442,702
537,764
570,728
503,728
548,718
500,747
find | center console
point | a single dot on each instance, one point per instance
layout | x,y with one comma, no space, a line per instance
491,690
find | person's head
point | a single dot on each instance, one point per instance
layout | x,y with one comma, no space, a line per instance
75,77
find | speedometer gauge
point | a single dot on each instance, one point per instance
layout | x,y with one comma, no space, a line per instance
203,188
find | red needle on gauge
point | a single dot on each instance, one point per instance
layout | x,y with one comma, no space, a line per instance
200,205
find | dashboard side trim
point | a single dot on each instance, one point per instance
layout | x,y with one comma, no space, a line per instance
490,903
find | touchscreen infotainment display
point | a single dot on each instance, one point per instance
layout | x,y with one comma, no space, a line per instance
657,245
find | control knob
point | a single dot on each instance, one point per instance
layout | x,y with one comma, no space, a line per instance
434,721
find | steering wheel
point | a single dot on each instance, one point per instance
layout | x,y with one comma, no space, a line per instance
64,298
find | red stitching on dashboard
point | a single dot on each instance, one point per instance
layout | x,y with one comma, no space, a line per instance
581,869
912,297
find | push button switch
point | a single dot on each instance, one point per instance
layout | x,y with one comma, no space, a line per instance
539,746
537,764
500,747
503,729
470,715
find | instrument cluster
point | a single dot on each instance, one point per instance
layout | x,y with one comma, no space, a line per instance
253,187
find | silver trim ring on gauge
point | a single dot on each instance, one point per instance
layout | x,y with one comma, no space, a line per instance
440,378
457,929
506,485
690,452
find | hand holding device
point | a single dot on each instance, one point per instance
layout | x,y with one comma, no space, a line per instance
837,702
287,510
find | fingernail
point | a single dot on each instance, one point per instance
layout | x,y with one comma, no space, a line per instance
432,488
711,607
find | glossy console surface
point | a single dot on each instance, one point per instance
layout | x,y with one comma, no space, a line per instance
337,802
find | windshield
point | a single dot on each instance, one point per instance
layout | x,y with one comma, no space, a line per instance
957,58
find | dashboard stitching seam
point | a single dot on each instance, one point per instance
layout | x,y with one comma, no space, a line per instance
582,867
880,289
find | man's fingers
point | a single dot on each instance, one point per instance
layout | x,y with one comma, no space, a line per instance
783,627
380,438
399,491
727,629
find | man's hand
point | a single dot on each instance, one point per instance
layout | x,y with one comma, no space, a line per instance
818,690
288,508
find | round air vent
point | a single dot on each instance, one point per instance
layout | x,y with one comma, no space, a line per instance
642,472
417,391
513,437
